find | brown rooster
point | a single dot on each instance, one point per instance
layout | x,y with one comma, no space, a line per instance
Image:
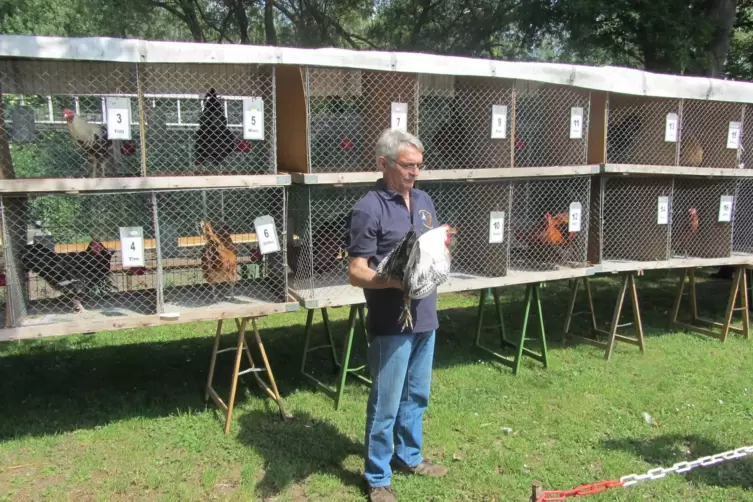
219,257
541,241
683,241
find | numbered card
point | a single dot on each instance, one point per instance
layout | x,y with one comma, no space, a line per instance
496,227
253,118
670,128
733,135
400,116
118,118
662,217
576,210
266,234
576,122
725,208
132,246
499,121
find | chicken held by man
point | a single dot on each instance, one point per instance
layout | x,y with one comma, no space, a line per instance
421,263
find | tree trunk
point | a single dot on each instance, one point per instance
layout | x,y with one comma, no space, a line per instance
241,19
191,18
723,14
269,22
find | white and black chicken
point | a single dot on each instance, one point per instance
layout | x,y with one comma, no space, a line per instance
420,263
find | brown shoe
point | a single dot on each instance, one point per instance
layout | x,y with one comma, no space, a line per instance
425,468
382,494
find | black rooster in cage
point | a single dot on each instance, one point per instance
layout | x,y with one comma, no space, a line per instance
74,275
622,139
214,140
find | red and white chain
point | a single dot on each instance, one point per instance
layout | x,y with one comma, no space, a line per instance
656,473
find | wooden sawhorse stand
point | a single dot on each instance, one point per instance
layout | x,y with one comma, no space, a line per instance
532,295
241,347
628,281
739,287
343,366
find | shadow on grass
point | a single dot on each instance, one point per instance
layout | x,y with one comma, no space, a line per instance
296,449
668,450
67,383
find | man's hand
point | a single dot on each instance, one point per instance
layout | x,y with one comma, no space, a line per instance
361,276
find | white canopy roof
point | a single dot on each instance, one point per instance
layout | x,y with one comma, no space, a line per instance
605,78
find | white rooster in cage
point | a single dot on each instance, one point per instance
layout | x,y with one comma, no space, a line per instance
421,263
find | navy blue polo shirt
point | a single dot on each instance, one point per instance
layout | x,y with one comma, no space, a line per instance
377,222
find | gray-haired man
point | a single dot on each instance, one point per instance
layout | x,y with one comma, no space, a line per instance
400,361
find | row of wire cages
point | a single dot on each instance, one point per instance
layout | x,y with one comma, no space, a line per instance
463,122
79,119
658,218
502,227
81,258
678,132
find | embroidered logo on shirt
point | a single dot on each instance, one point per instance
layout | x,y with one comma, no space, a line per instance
426,218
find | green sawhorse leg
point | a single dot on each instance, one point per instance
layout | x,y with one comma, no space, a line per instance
532,295
342,367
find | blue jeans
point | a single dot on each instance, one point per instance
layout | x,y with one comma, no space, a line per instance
400,367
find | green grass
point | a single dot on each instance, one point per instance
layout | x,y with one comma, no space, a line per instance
121,416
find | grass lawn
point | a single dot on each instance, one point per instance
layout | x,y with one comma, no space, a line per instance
121,415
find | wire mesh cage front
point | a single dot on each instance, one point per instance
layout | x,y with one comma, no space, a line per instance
209,243
209,118
65,261
549,223
465,122
478,210
643,130
349,109
551,125
702,218
746,156
54,116
317,249
635,218
710,134
742,233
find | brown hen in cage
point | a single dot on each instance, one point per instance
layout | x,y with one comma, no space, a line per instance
219,257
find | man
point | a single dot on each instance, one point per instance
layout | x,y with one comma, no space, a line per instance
400,361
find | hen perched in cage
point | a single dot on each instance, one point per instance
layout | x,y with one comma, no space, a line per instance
102,153
219,257
74,275
214,140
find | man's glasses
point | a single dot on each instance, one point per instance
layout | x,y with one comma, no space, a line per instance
409,166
